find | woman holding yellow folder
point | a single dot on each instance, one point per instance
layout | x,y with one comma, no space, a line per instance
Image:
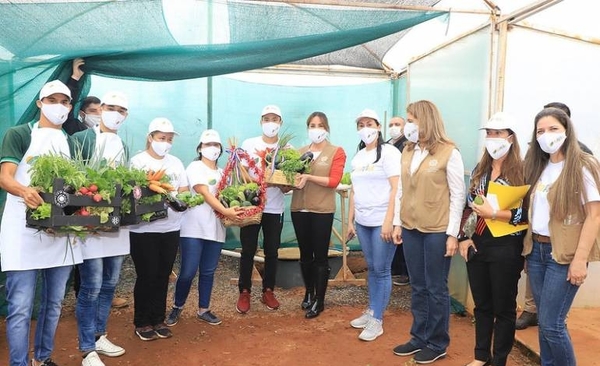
494,264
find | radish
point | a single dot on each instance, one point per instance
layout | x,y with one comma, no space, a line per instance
97,197
93,188
83,190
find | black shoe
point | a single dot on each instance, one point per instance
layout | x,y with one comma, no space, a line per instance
162,331
427,355
526,319
146,333
406,349
309,299
400,280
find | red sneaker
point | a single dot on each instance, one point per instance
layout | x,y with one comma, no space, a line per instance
243,303
268,298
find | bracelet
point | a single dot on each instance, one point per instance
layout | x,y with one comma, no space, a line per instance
494,213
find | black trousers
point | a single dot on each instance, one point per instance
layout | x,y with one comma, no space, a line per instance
493,275
399,262
313,232
271,225
153,255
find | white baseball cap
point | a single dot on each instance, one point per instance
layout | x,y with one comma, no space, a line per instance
368,113
500,121
115,98
161,124
210,136
271,109
53,87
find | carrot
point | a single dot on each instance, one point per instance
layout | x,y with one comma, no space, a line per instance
156,188
159,174
154,182
167,186
150,174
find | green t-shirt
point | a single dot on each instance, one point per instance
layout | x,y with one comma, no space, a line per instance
15,144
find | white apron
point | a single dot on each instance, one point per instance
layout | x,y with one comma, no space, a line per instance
23,248
101,245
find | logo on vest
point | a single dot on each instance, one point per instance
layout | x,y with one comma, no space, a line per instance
433,166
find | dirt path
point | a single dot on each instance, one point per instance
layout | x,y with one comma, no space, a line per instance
264,337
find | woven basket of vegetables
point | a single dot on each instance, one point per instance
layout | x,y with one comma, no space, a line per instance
284,164
238,189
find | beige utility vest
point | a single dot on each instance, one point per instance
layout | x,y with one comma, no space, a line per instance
564,237
313,197
425,194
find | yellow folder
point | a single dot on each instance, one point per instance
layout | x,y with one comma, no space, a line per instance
503,197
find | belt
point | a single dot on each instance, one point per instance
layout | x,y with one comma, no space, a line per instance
540,238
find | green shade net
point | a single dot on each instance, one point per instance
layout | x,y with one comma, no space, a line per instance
136,39
151,40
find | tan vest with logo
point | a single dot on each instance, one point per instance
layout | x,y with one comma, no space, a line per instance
564,237
425,194
313,197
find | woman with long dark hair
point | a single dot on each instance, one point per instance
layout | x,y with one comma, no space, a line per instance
564,216
375,172
495,268
313,208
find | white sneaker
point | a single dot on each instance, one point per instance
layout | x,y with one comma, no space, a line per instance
361,321
107,348
92,359
373,330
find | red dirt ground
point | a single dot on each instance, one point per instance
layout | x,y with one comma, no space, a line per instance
263,337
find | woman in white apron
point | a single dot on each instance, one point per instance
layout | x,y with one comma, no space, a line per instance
27,252
103,254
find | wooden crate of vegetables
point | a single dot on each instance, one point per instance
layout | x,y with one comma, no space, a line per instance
147,201
72,201
284,164
80,211
242,187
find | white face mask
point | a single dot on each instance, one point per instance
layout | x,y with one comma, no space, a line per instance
92,120
161,148
317,135
210,152
411,131
368,134
550,142
55,113
497,147
395,132
112,119
270,129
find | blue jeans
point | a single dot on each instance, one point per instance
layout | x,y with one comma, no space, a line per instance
20,295
197,255
553,295
430,300
99,277
379,255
